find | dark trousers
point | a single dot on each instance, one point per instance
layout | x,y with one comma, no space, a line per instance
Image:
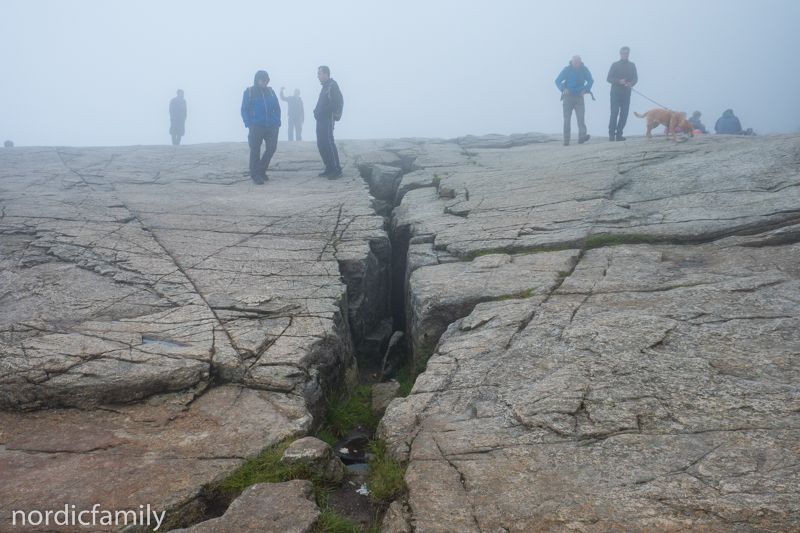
295,125
258,135
575,102
620,105
326,144
176,139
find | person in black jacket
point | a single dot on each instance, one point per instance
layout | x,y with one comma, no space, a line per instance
177,117
296,114
328,111
622,77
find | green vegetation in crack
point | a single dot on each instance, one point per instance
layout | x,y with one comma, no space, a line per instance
268,468
345,413
386,475
516,296
517,251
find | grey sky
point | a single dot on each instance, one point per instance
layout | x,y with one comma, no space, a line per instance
102,73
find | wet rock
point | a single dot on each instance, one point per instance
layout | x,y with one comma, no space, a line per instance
376,341
266,507
318,456
395,355
160,452
382,396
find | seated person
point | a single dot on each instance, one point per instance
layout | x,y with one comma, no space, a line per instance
728,124
695,122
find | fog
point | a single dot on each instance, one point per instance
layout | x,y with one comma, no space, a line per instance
102,73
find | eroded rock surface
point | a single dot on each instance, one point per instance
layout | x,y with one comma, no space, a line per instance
162,318
649,387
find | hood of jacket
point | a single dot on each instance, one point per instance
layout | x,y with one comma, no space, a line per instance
260,75
728,113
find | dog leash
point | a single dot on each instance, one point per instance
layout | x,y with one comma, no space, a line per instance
643,96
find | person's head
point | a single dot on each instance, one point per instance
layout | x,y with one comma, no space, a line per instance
180,93
624,52
261,78
576,61
8,144
297,92
323,74
696,114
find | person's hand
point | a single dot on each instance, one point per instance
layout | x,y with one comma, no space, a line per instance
628,84
583,92
566,91
622,82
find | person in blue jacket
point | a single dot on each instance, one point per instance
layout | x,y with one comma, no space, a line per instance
728,123
261,112
573,82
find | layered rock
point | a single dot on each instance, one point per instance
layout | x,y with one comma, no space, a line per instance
137,282
648,387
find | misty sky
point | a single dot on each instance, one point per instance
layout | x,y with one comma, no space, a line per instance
86,73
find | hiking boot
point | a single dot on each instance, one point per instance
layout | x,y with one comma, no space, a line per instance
257,180
265,177
612,138
584,139
325,173
620,138
566,143
336,174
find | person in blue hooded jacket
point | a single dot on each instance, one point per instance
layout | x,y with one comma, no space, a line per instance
261,112
728,123
573,82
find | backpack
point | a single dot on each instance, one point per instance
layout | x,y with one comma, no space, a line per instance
337,115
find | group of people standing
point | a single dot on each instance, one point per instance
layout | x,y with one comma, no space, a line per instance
575,81
261,112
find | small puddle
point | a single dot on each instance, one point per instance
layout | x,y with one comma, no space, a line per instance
147,340
352,449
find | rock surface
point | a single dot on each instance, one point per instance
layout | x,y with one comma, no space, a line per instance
162,318
382,396
318,456
266,507
612,327
396,519
648,387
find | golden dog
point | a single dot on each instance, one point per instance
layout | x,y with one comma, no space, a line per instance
670,119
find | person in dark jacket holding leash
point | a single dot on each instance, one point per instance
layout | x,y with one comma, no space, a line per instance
177,118
328,111
574,81
261,112
622,76
296,114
